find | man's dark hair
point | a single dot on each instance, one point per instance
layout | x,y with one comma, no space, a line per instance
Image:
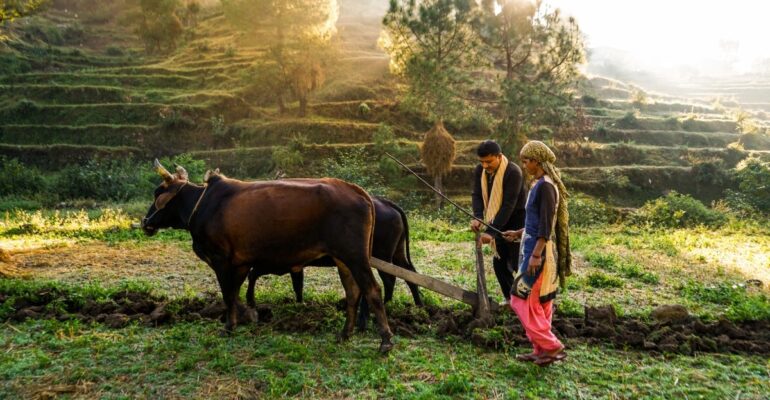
488,148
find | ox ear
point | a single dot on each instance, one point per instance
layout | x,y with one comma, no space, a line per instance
181,173
163,172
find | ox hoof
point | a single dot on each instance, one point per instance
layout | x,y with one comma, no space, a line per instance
386,346
250,315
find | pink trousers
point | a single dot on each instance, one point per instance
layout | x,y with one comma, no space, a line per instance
536,319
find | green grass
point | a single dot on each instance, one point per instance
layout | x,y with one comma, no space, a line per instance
191,360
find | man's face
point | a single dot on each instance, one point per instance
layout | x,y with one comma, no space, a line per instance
491,162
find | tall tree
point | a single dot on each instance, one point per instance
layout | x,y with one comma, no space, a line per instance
432,46
298,34
539,52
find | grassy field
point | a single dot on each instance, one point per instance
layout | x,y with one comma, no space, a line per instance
93,255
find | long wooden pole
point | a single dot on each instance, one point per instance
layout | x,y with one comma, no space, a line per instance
427,282
444,196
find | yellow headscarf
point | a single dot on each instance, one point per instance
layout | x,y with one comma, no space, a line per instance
538,151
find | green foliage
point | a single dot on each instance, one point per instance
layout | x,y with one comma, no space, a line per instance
17,179
116,180
289,158
601,280
753,193
114,51
742,304
355,166
676,211
299,36
159,27
628,121
540,52
626,268
11,9
588,211
432,45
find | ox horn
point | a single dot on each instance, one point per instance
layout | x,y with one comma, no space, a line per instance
181,172
163,172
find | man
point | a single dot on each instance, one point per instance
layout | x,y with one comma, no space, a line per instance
499,199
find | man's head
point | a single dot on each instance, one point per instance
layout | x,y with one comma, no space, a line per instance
490,155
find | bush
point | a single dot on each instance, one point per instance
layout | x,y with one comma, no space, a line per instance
677,210
355,167
753,179
16,179
601,280
114,51
289,158
115,180
628,121
587,211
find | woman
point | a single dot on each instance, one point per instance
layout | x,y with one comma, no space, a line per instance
544,257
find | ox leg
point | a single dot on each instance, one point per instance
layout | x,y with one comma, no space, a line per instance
369,288
352,294
388,282
298,282
230,281
402,261
253,275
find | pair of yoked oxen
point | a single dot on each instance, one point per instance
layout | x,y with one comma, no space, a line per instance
251,229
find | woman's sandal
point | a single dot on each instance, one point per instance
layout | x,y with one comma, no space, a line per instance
548,359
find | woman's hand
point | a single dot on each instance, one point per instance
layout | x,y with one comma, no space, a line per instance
535,262
512,236
486,238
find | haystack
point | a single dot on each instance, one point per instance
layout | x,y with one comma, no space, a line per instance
438,154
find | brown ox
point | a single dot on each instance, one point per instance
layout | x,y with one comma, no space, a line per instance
238,225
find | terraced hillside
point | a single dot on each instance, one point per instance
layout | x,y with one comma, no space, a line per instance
74,99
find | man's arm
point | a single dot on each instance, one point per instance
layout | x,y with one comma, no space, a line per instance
512,183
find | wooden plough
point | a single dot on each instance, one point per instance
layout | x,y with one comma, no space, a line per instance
478,300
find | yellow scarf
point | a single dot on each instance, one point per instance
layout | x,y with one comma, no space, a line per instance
493,201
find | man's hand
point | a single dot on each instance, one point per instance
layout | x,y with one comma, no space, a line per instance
486,238
475,225
512,236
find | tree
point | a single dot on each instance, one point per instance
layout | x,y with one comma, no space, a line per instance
432,46
159,26
539,52
11,9
299,34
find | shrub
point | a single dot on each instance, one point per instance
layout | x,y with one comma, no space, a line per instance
114,51
753,179
677,210
628,121
355,167
601,280
587,211
116,180
17,179
589,101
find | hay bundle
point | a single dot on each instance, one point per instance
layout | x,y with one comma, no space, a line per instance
438,151
438,154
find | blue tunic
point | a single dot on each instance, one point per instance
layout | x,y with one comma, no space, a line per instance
535,226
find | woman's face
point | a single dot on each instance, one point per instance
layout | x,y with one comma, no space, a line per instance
531,166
